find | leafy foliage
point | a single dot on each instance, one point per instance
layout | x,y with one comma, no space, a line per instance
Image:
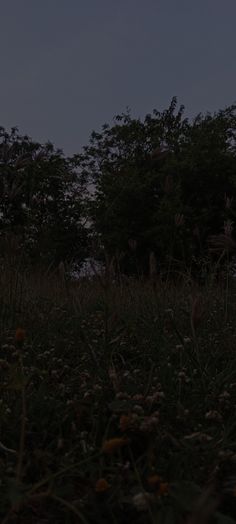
163,187
162,183
40,200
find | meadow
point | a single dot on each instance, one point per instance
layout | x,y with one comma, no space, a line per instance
117,399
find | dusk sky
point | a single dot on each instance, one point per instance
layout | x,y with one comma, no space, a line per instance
69,66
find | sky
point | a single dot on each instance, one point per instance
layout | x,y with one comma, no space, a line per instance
69,66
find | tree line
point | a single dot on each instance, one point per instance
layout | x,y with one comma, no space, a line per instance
161,189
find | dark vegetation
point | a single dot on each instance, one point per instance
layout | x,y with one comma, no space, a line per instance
118,391
164,186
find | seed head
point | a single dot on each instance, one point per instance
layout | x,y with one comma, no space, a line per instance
102,485
113,444
20,335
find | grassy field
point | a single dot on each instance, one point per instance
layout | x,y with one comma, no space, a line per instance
118,401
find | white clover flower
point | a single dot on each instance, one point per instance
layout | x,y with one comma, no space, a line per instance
141,501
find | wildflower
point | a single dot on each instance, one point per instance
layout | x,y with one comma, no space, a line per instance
122,396
179,347
224,395
228,201
169,311
20,336
182,376
113,444
102,486
187,340
138,397
149,424
141,501
213,415
138,409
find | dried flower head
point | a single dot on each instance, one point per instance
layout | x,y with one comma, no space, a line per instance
102,485
156,484
113,444
154,481
20,335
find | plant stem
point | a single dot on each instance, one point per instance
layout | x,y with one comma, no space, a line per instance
23,426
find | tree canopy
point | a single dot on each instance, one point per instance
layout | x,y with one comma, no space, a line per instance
40,200
162,187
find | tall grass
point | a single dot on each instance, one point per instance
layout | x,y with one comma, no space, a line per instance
147,367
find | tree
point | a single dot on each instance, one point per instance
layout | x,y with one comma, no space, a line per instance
160,183
40,202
